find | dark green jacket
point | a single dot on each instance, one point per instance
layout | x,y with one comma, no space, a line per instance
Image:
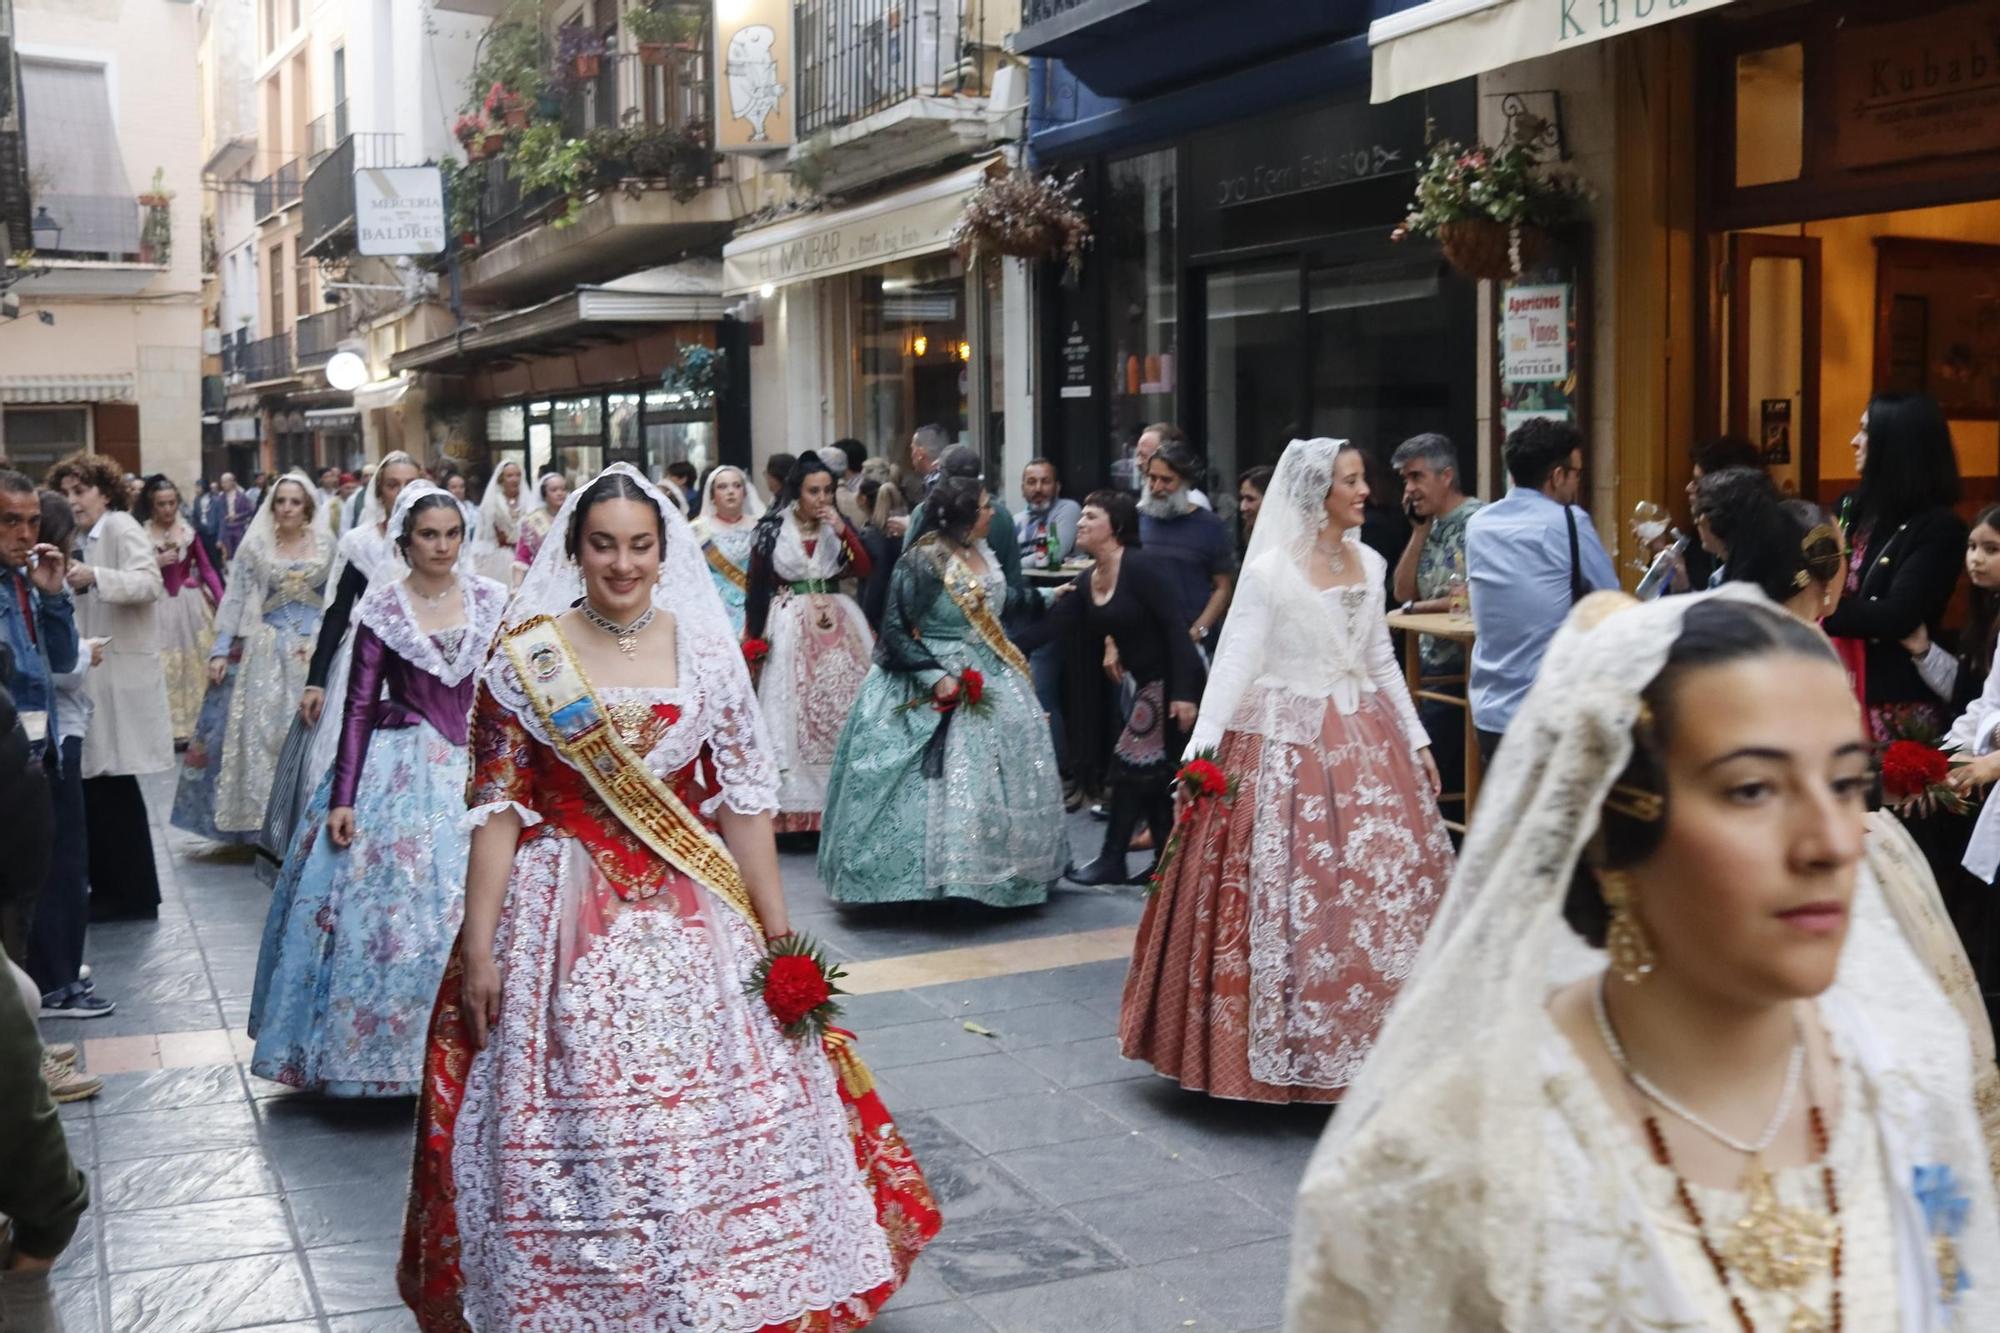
1001,536
41,1191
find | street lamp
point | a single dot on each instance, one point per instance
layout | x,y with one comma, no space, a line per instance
47,232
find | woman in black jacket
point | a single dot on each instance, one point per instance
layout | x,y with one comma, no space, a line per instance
1908,548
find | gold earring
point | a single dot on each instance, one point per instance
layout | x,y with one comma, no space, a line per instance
1625,939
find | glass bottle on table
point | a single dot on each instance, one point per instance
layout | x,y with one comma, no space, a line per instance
1458,603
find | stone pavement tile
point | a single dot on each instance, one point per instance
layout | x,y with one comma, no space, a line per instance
1017,1252
1066,1173
181,983
210,1297
191,1232
921,1043
1084,1064
970,1188
1274,1187
949,1317
1177,1220
342,1214
1028,1122
79,1260
79,1305
185,1178
169,1089
1021,989
130,943
1045,1025
356,1277
395,1320
978,1078
215,1128
197,1050
1243,1287
864,1014
1116,1302
310,1115
133,1019
329,1159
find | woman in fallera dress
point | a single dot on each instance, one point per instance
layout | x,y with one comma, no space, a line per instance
613,1133
186,614
818,640
501,509
369,900
730,508
1294,906
934,796
553,489
257,667
1666,1062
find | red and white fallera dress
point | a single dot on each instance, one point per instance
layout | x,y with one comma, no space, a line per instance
1292,911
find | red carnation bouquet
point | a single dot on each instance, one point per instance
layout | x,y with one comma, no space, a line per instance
1199,782
971,692
755,651
796,981
1914,773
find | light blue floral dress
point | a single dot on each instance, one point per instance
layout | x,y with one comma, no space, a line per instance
989,825
727,550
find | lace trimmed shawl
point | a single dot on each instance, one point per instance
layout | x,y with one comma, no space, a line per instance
385,608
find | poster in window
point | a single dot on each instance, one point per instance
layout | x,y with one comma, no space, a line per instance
1774,435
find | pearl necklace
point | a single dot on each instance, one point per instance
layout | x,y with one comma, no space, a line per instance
433,599
627,635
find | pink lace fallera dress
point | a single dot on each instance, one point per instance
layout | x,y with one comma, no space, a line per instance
1292,910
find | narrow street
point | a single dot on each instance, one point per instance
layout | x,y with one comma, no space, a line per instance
1079,1190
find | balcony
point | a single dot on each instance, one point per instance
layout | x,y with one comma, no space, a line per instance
266,360
888,86
329,191
649,199
277,191
317,336
323,133
98,245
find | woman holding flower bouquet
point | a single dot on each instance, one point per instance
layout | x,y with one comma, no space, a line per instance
615,1131
808,638
1308,855
945,782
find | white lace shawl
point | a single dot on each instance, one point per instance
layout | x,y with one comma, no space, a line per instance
1452,1192
1302,644
788,554
385,608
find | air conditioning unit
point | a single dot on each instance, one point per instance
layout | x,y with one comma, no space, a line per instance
211,342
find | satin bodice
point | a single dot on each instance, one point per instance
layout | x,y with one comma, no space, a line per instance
387,692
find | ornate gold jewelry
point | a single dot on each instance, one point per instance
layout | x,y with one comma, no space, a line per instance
626,635
1625,941
1635,802
1776,1248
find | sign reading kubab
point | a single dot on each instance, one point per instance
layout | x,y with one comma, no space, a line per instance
399,211
756,98
1443,40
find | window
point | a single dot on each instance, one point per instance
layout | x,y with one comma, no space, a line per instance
74,164
912,350
302,272
277,289
1770,115
38,436
1139,248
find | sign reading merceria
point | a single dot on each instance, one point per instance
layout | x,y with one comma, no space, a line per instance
399,211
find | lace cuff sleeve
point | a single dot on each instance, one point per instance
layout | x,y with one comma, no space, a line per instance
738,742
503,755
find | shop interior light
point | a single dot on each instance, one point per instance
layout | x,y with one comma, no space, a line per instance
964,350
919,345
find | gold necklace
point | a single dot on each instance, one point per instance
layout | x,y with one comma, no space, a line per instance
626,635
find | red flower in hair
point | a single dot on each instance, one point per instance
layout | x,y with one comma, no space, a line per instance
755,650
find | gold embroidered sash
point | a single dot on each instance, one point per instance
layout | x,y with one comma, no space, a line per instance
584,737
722,565
968,593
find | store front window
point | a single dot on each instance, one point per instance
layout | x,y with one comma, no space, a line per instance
913,354
1254,365
583,435
1138,246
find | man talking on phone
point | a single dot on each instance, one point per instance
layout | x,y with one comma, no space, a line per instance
1429,574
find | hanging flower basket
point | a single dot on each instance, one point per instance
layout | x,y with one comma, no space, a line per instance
1024,216
1483,248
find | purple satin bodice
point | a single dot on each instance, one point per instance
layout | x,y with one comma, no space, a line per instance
192,568
414,695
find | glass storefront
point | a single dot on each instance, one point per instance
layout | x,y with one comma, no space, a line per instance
583,434
913,354
1137,246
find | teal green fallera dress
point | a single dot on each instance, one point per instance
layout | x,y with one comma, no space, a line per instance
988,825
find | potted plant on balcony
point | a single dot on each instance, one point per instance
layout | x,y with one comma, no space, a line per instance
470,131
157,195
505,107
579,50
661,30
1491,208
1025,216
544,158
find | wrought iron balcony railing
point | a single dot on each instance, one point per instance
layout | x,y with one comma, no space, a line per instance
266,359
329,191
280,189
857,57
317,336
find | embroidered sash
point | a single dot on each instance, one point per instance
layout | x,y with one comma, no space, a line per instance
968,593
583,736
722,565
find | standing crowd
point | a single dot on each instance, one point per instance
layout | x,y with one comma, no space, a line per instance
518,770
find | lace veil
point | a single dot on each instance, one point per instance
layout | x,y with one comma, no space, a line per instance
371,517
500,525
753,503
261,535
1450,1104
385,607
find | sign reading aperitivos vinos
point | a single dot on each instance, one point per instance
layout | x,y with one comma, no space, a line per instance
1534,334
1918,87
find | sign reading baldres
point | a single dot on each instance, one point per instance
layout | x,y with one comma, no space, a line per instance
399,211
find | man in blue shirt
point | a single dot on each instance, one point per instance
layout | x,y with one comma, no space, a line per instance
1190,543
1529,558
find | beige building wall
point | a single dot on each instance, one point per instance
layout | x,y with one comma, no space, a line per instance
143,325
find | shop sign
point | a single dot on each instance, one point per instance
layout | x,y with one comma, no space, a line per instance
1335,146
1076,358
1921,87
756,99
399,211
1534,336
918,222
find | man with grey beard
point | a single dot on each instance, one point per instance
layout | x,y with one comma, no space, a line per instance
1190,543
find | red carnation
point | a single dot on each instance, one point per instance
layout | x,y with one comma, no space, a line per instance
1205,775
1910,768
972,686
755,650
794,988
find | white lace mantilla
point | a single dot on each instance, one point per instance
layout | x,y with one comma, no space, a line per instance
386,610
789,558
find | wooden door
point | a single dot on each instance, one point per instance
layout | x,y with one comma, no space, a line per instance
1774,354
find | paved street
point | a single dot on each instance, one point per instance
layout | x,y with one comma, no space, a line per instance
1079,1191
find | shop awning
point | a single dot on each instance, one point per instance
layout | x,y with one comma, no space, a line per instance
66,389
1443,40
906,223
567,321
381,393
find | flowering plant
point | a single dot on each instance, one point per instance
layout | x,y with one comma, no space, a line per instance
1497,184
467,128
1027,216
755,650
797,984
1913,771
1199,782
501,103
